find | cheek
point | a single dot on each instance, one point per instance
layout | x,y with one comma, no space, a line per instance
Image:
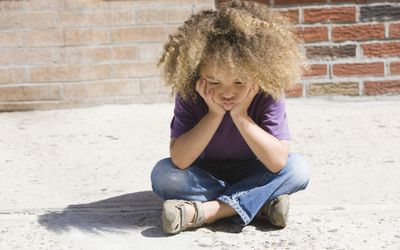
242,93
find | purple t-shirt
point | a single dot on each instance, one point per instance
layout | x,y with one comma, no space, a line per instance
227,144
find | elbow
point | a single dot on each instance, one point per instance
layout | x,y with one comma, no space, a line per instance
178,160
179,164
276,168
278,165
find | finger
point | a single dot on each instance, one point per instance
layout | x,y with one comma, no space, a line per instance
207,90
209,94
204,86
254,89
250,92
257,88
200,87
196,87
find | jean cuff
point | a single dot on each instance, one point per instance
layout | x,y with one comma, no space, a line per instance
235,205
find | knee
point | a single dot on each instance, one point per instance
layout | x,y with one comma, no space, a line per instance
167,180
297,170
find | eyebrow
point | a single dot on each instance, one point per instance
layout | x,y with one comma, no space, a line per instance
212,78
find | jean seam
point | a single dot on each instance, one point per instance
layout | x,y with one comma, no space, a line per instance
235,205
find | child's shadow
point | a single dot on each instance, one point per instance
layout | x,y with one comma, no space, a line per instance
140,210
117,214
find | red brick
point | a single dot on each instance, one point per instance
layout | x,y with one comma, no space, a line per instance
278,2
313,34
327,15
381,49
358,32
292,15
317,70
394,30
382,87
395,68
351,69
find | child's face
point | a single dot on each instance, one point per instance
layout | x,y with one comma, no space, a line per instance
228,90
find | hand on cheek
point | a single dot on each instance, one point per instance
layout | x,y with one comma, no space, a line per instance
207,94
240,109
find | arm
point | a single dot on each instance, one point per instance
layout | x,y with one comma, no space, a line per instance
272,152
185,149
188,146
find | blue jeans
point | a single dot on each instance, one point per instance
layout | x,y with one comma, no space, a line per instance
246,186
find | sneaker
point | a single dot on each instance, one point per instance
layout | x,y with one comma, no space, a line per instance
276,211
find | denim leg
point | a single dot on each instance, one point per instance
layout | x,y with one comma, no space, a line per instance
249,195
193,183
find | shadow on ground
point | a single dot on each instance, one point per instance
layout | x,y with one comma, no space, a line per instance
116,214
140,210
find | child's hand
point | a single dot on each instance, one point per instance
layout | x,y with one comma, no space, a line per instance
208,96
240,109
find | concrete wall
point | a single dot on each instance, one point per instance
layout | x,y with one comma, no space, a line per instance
74,53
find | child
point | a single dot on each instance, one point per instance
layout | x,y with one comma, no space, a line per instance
229,134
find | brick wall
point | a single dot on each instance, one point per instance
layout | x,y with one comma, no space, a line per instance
74,53
353,45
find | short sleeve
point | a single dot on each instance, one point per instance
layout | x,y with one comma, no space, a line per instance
184,118
274,119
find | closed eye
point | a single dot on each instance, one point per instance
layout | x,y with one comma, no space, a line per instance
216,83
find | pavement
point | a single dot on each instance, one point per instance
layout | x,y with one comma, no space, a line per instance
79,179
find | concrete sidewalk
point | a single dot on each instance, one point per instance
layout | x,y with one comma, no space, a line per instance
79,179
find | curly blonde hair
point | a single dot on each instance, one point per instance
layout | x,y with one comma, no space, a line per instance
255,42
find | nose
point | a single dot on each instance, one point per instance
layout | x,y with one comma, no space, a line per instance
228,93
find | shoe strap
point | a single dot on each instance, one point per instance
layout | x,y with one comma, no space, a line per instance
183,221
199,217
199,213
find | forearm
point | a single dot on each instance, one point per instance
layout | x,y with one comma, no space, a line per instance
269,150
189,145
